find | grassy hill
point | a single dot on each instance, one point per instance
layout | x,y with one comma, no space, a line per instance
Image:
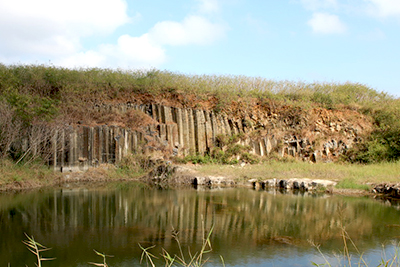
48,95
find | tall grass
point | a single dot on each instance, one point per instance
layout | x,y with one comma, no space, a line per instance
94,83
196,259
344,258
193,259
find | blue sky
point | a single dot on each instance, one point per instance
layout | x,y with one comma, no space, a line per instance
298,40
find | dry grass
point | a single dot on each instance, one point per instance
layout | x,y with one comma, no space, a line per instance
97,85
359,174
20,176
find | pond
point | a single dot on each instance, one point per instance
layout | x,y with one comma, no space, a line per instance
249,227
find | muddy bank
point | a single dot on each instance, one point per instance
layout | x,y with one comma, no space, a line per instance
167,175
97,175
185,175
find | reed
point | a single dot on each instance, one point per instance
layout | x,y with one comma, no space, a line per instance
104,256
196,259
344,258
37,249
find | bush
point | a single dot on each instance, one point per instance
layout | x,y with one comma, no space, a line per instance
384,142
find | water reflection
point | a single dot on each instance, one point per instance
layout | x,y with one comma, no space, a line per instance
250,227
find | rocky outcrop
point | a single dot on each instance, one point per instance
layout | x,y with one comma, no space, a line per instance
389,190
303,184
184,131
77,148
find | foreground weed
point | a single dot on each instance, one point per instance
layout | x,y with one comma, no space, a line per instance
394,261
147,255
318,247
36,248
104,256
193,260
347,258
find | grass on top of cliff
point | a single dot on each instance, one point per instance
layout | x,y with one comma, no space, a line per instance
67,86
347,175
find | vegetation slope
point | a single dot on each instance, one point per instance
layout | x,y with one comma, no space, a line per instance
44,95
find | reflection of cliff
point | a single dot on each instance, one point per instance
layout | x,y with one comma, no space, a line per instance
311,135
75,222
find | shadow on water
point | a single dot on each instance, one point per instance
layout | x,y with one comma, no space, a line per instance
254,228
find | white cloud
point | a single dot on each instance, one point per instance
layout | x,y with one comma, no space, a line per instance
48,26
82,16
129,52
147,50
319,4
44,30
88,59
384,8
141,51
193,30
325,23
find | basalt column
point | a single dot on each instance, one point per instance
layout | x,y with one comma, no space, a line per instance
192,134
178,117
210,137
200,131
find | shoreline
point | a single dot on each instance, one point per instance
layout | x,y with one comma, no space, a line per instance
176,176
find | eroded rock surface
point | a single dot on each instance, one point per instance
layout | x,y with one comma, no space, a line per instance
315,135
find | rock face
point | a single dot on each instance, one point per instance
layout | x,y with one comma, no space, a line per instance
304,184
185,131
390,190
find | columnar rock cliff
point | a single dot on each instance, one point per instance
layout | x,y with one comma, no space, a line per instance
316,135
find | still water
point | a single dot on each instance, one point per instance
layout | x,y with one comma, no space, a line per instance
250,228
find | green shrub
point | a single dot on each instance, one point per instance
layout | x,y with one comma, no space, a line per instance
199,159
31,107
350,183
250,158
384,142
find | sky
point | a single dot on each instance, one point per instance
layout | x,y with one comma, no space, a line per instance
298,40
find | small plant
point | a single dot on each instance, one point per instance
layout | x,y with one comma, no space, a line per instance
193,260
345,258
17,178
37,249
104,256
345,254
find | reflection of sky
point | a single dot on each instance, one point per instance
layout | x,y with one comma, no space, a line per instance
292,257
